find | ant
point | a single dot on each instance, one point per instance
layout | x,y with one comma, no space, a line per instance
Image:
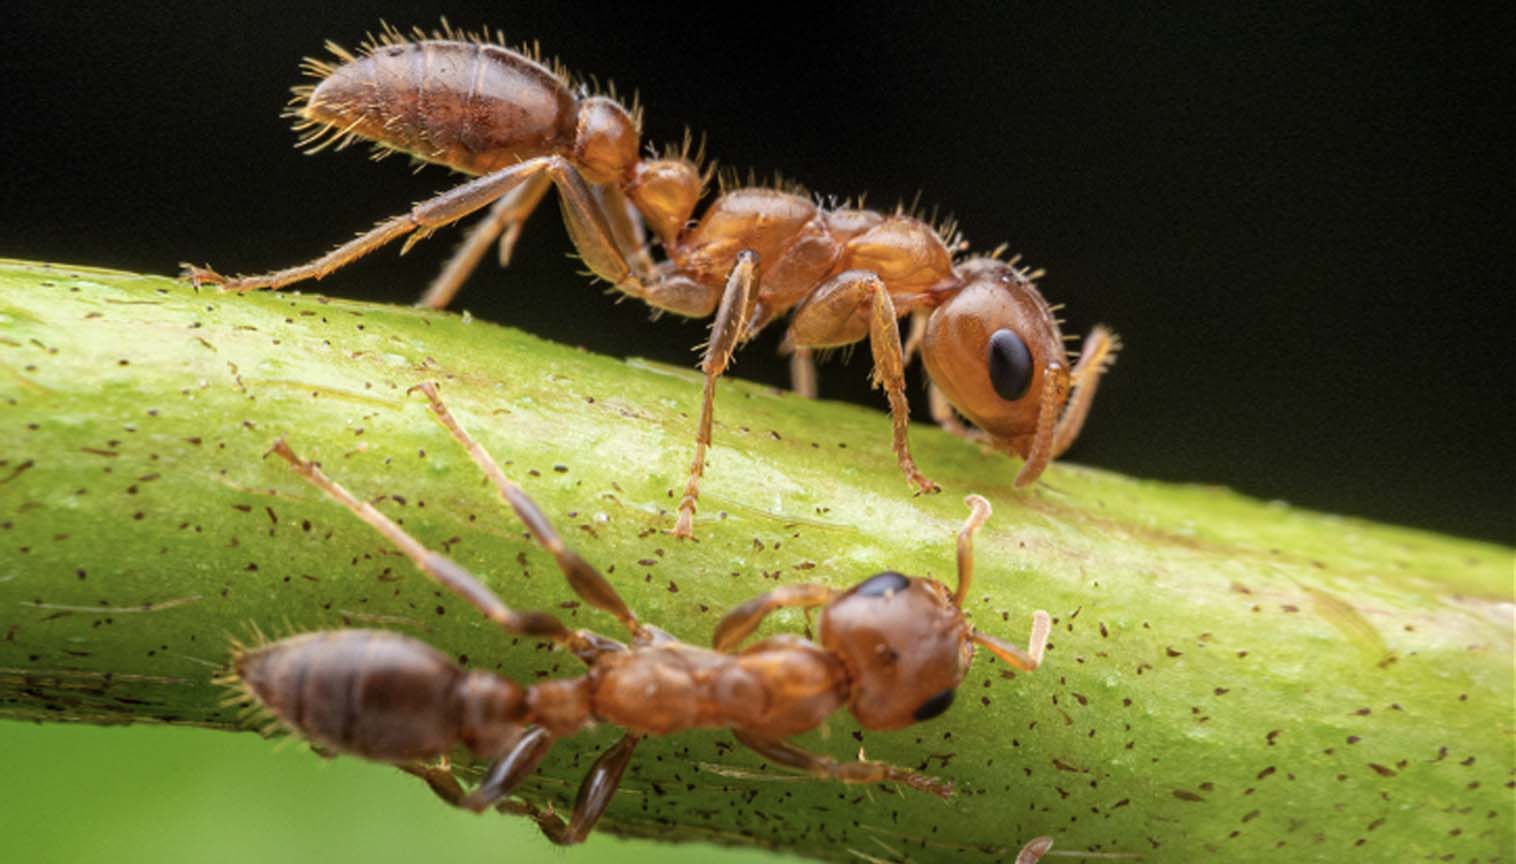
990,342
891,649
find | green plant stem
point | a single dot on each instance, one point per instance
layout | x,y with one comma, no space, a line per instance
1228,679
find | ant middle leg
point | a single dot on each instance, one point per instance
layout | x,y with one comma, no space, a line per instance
861,771
727,329
803,372
586,581
837,314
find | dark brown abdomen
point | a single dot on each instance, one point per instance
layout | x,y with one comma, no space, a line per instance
471,106
372,693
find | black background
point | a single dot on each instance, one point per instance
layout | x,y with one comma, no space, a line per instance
1298,219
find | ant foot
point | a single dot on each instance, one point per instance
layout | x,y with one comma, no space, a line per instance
924,486
200,276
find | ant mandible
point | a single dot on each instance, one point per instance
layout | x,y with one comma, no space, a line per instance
892,649
990,342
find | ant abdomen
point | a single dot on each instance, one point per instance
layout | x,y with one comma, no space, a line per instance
473,106
377,694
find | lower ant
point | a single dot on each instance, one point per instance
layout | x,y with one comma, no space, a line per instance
892,649
990,342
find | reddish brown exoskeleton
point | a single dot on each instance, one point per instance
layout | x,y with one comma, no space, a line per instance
991,343
890,649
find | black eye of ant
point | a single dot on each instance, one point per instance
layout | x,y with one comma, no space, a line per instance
1010,365
881,584
935,705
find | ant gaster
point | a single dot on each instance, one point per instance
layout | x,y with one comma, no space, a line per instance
891,649
991,343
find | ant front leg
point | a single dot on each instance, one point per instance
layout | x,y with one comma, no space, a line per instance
728,328
826,767
837,314
594,796
1095,357
504,221
742,621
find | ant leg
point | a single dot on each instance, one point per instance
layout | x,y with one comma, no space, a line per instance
438,778
742,621
422,220
1096,356
627,229
507,215
594,796
728,327
803,372
946,417
1055,392
915,334
583,578
1032,852
1036,644
508,772
862,771
448,573
501,779
833,315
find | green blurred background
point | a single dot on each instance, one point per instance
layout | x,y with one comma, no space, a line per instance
90,795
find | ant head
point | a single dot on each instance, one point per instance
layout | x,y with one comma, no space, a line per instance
995,351
905,645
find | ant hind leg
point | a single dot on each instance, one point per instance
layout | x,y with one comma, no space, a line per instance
594,796
420,221
438,778
586,581
448,573
504,221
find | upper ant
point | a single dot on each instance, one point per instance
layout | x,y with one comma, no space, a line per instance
990,342
891,649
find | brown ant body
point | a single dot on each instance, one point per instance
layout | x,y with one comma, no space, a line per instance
990,342
891,650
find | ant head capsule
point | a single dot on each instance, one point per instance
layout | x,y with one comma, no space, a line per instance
995,351
905,645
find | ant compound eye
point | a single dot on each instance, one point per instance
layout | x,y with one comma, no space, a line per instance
1010,365
935,705
882,584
